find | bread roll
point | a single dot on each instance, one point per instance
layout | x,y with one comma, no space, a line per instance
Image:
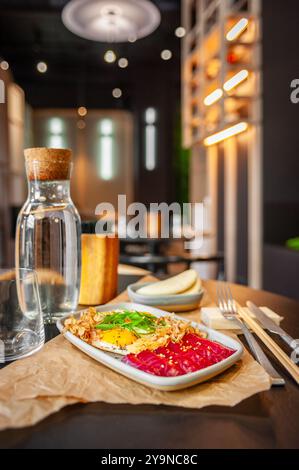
193,289
172,286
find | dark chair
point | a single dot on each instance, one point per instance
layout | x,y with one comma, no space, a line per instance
216,258
154,263
143,246
159,263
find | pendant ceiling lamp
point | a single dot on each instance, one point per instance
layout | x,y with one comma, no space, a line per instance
111,20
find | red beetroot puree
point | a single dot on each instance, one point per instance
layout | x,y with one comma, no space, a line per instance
189,355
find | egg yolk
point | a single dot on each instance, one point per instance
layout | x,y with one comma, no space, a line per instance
119,337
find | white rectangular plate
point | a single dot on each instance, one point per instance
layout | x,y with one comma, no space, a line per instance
113,361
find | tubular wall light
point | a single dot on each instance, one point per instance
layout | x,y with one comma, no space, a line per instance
236,80
237,29
226,134
213,97
111,20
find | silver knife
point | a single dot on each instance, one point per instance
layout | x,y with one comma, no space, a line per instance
271,326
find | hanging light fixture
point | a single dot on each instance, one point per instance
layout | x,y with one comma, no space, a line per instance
111,20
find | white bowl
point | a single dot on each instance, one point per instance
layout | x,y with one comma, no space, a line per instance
170,303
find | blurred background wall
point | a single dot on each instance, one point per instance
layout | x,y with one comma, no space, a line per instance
249,183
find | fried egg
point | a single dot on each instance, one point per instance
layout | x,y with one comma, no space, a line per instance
115,340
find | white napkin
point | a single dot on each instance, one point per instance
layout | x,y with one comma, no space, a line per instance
212,317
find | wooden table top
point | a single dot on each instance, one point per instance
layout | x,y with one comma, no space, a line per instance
266,420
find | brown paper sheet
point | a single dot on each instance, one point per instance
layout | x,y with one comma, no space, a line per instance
60,375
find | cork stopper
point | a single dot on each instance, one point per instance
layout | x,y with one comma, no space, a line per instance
48,164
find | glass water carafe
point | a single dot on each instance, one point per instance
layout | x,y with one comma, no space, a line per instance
48,234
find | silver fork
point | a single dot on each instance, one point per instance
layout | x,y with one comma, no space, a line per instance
229,310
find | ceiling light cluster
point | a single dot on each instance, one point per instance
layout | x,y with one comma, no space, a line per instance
110,57
110,21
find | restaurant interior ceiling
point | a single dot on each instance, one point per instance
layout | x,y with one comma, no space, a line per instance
33,31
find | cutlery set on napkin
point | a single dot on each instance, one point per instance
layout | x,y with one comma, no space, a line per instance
259,320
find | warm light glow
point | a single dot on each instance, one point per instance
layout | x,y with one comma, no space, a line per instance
132,38
106,127
56,126
106,149
116,92
82,111
180,32
237,29
56,141
4,65
150,116
166,54
150,138
236,80
56,133
213,97
226,133
110,57
42,67
81,124
213,67
123,63
150,147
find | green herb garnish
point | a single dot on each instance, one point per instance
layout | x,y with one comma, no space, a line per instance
139,323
